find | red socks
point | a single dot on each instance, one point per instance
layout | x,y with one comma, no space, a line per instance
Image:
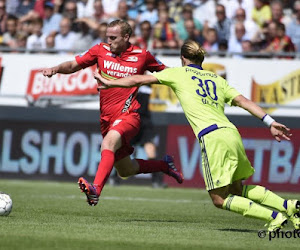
151,166
104,168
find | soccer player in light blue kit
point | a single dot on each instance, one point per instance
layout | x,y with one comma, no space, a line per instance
202,95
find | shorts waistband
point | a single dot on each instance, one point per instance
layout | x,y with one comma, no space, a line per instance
207,130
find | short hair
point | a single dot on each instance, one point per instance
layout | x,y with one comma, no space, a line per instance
281,26
125,26
12,17
274,2
38,20
193,51
187,8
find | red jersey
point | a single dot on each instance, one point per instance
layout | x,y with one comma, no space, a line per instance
115,101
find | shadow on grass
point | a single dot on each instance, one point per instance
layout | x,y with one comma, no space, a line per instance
156,220
237,230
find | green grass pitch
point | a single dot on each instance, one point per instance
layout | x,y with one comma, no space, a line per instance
54,215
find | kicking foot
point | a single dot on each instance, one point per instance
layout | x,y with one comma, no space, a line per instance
293,212
89,190
278,223
172,170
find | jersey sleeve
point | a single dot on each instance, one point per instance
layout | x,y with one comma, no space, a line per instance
164,76
230,93
89,57
153,64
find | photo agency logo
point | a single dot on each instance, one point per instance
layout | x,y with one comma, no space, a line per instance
279,234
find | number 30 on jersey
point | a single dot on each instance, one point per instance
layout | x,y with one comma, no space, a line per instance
207,89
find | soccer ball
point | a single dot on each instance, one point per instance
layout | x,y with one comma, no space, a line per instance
5,204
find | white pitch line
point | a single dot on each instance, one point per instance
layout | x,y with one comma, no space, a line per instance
117,198
153,199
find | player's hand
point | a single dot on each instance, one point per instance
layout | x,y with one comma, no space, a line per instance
100,81
280,131
49,71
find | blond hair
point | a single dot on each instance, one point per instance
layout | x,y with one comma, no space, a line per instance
125,27
193,51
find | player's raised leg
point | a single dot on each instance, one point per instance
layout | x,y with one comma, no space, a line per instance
128,167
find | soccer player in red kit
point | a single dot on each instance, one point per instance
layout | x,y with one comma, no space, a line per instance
119,120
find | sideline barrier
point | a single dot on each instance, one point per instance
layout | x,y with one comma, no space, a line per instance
63,144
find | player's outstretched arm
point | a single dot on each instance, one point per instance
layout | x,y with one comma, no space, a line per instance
126,82
277,130
63,68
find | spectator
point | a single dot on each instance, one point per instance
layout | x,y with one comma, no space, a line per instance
50,43
122,11
3,17
193,33
150,14
277,12
64,40
223,47
85,8
145,40
163,34
101,34
37,40
135,8
262,38
99,14
250,26
51,20
293,29
187,14
235,42
84,39
163,6
247,48
280,42
210,43
11,6
70,11
231,7
24,7
110,7
26,26
175,10
10,36
223,23
133,37
206,13
261,12
21,41
272,31
39,7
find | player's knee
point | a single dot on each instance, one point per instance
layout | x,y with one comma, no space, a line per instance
124,173
218,202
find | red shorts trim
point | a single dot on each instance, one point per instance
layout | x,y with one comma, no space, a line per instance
128,125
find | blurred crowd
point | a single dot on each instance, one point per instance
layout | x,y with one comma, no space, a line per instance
233,26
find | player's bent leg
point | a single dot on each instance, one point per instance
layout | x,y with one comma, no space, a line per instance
236,188
265,197
219,195
247,208
166,166
127,167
